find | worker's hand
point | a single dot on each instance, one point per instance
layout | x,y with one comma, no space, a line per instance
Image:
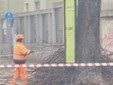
31,51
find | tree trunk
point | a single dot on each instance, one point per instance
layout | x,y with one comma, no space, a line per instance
87,31
87,42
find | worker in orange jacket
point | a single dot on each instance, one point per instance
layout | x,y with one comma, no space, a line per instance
19,57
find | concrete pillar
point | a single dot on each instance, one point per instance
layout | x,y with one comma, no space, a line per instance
0,31
40,29
27,27
37,29
18,25
53,26
50,28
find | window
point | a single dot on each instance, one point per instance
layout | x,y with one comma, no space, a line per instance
37,5
27,7
57,4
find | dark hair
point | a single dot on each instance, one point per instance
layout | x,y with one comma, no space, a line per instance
19,40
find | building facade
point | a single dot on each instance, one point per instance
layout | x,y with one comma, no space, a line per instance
3,7
34,5
20,6
15,6
47,25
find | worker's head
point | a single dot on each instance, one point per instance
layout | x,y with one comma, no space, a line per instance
19,38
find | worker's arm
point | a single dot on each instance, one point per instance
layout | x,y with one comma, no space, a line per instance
25,51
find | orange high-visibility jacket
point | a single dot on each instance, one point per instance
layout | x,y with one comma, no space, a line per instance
20,51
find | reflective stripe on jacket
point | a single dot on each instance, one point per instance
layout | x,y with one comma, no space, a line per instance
20,51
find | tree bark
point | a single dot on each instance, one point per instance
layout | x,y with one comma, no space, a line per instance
87,31
88,42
